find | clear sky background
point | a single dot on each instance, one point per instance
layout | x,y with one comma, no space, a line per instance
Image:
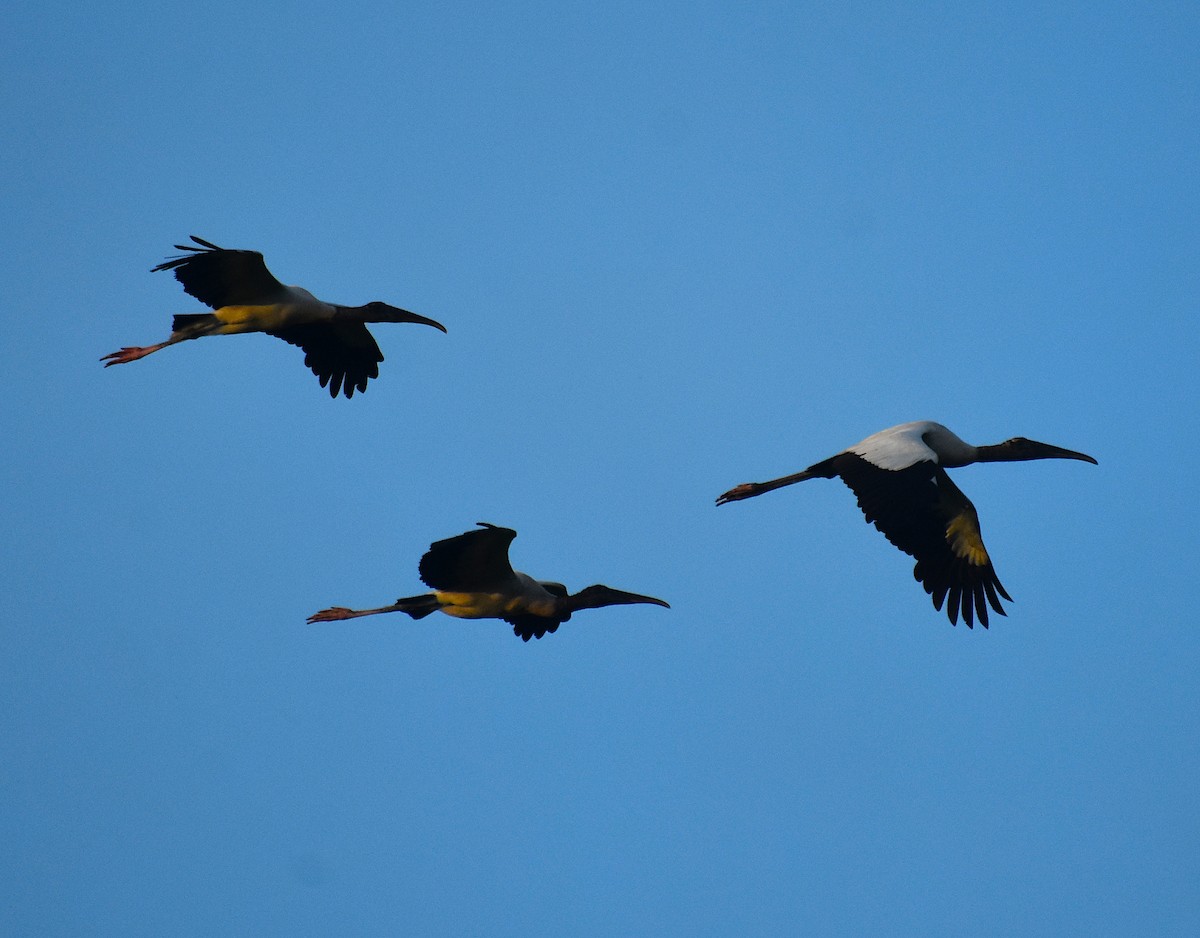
678,246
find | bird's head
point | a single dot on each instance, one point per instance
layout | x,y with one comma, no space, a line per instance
1019,449
594,597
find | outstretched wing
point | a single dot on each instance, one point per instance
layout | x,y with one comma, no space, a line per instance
221,277
475,562
344,355
921,511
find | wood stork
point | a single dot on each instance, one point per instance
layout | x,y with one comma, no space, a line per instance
246,297
473,579
899,476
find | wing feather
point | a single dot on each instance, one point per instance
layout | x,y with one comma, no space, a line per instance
528,626
474,562
223,277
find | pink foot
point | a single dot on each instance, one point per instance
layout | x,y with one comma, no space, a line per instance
334,614
130,353
738,492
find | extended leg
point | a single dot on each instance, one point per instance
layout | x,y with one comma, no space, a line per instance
187,326
337,613
132,353
750,489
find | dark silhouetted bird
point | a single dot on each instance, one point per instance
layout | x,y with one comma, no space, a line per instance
473,579
899,476
246,297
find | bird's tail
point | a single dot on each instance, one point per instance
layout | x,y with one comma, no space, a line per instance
418,606
190,321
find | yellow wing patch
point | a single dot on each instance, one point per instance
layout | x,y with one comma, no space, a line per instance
962,534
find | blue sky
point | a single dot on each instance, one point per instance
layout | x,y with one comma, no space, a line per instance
677,247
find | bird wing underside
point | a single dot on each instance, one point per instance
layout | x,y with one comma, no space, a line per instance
220,277
344,355
922,512
527,627
475,562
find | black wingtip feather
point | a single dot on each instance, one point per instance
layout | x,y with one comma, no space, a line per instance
970,600
968,607
1001,589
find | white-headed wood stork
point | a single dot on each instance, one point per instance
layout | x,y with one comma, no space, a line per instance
246,297
899,476
473,579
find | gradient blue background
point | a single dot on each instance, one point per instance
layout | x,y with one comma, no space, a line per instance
678,246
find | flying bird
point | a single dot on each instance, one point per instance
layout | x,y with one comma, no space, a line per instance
473,579
246,297
899,476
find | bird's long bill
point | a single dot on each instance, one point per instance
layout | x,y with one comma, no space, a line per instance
1046,451
638,598
395,314
596,596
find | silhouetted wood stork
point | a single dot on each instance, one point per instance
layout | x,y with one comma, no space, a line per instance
246,297
473,579
899,476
